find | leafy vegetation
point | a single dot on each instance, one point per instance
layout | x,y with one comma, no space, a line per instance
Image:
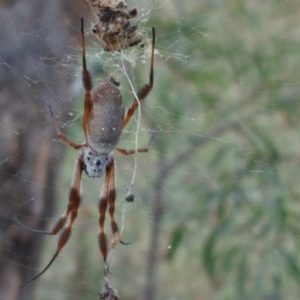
224,165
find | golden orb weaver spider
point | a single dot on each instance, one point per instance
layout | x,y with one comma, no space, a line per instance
103,122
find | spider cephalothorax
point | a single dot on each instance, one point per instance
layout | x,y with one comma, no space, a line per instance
103,122
94,164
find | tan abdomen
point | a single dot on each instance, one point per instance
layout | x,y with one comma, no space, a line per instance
106,118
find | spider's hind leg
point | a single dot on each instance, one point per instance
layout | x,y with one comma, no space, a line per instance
56,229
16,220
71,212
108,200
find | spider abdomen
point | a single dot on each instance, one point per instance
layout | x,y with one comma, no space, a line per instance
106,119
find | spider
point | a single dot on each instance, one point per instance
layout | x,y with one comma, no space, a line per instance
113,27
103,122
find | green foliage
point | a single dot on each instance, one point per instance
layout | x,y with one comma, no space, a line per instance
227,118
176,240
241,79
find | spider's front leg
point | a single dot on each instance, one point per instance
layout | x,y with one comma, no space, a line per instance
146,89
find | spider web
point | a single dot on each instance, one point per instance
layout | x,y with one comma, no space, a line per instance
219,186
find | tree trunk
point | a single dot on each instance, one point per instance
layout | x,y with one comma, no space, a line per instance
33,36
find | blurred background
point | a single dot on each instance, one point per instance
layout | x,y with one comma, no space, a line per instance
216,210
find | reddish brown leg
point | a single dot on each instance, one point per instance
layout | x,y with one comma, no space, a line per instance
108,198
130,152
74,202
111,202
102,211
145,90
73,199
63,137
86,78
141,150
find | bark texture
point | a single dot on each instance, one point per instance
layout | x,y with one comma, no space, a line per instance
35,37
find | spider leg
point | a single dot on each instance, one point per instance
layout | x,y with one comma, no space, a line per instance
63,137
31,229
108,198
145,90
111,203
102,211
61,222
86,78
141,150
56,229
74,202
130,152
87,83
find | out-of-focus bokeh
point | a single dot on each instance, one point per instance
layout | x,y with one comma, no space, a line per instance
216,213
